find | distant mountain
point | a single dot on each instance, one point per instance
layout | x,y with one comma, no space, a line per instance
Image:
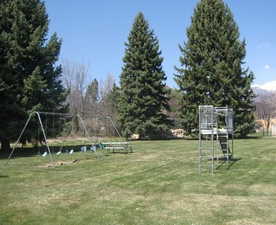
265,89
262,94
260,91
268,86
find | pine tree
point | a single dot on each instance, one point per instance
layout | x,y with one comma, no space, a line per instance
113,98
212,67
112,103
28,74
175,97
91,98
110,108
143,94
93,91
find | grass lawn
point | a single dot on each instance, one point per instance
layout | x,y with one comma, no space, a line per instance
157,184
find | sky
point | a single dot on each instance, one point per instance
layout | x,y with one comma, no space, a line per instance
94,32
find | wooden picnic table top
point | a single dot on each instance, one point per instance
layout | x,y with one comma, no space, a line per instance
115,143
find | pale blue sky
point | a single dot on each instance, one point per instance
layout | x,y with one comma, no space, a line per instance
94,32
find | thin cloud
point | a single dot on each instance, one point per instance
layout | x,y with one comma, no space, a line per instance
264,45
267,67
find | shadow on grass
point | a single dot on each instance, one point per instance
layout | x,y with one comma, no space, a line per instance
164,139
249,137
228,163
4,176
33,151
121,152
193,138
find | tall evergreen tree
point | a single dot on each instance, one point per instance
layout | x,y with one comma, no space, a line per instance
91,98
28,75
143,92
175,97
93,91
212,67
113,99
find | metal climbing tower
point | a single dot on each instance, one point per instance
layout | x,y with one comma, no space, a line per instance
216,135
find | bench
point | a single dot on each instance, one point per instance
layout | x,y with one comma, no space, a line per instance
117,147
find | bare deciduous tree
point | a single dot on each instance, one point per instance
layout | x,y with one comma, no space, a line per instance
107,102
266,108
91,100
75,78
106,86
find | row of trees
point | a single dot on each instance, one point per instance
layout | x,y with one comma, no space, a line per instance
211,72
29,78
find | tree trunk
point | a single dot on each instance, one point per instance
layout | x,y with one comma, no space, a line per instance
268,125
5,144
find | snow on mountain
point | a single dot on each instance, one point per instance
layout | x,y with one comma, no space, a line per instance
260,91
268,86
264,90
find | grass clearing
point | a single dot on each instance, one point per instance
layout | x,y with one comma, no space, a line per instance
157,184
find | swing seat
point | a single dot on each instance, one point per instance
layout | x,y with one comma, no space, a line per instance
83,148
93,148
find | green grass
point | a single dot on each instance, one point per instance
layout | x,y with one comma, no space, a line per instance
157,184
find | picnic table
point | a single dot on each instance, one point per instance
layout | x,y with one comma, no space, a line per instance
117,147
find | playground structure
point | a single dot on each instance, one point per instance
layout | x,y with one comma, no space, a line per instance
39,120
216,137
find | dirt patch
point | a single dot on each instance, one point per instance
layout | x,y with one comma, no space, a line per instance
58,163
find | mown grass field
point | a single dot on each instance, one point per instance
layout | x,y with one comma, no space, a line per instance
157,184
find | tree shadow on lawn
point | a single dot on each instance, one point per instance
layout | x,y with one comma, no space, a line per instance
191,138
33,151
164,139
251,136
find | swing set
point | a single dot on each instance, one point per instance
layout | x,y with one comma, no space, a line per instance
47,130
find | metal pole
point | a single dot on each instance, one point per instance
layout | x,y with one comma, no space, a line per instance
199,154
233,131
18,139
84,127
233,143
44,135
114,126
56,114
199,141
227,145
213,144
227,130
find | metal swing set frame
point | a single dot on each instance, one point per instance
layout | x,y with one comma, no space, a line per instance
108,146
38,115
